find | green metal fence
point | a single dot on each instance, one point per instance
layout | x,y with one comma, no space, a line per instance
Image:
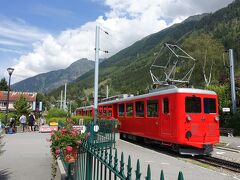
97,160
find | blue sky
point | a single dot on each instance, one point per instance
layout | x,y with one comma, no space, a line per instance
44,35
54,15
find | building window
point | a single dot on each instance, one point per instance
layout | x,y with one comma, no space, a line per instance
139,108
129,110
121,110
209,105
193,105
152,108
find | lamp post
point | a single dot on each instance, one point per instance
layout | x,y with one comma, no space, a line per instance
10,71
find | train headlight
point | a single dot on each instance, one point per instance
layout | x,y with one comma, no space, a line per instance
216,118
189,118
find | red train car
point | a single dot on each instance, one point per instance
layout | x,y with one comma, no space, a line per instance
185,119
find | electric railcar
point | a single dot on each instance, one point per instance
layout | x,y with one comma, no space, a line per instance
184,119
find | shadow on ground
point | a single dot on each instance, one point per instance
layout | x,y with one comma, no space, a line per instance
4,174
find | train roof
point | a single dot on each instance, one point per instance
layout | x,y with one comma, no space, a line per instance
162,92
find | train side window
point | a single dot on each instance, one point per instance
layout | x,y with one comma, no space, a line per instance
104,110
139,109
110,111
121,110
129,109
193,105
165,105
209,105
152,108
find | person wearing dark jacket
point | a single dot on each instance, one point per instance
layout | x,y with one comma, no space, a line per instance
31,122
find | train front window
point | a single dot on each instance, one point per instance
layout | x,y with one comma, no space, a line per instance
209,105
129,109
152,108
140,109
193,105
121,110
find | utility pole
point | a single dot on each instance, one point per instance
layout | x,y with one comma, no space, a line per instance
107,91
65,98
232,77
61,103
96,74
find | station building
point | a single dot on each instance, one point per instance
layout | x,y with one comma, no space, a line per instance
13,96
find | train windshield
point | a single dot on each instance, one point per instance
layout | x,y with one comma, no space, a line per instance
193,104
209,105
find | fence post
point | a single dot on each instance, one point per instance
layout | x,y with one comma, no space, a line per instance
162,175
180,176
129,169
138,174
148,177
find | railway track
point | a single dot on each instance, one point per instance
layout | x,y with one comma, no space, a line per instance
232,166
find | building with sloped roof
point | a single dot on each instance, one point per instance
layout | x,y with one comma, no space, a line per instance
13,96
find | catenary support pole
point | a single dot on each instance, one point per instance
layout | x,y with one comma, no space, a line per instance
61,103
233,90
96,74
65,98
107,92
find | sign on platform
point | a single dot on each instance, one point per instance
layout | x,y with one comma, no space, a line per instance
80,128
226,109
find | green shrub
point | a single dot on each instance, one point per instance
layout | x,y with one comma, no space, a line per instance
234,123
10,115
57,113
86,119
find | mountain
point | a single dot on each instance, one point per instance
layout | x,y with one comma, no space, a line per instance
51,80
205,37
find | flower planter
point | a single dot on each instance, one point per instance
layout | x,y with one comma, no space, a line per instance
70,156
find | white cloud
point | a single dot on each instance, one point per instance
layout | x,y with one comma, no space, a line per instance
19,30
126,22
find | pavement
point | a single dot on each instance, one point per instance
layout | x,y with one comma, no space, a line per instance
26,157
231,142
169,164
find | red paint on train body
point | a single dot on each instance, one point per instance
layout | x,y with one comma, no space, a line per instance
182,117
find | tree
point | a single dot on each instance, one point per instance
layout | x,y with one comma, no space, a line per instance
3,85
21,105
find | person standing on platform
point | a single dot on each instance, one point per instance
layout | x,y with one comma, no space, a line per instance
23,121
31,122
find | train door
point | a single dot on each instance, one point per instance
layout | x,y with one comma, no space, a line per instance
152,120
195,118
165,117
211,116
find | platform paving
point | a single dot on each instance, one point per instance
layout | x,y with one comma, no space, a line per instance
27,157
170,165
231,142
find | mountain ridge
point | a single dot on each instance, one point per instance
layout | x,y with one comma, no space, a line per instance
48,81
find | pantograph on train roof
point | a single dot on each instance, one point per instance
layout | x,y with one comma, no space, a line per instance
172,65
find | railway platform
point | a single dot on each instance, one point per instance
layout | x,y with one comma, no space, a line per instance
228,149
230,142
169,164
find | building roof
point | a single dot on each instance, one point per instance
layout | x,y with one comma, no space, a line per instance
13,96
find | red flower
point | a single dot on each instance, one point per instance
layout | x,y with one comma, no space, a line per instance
57,152
74,133
64,131
69,148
